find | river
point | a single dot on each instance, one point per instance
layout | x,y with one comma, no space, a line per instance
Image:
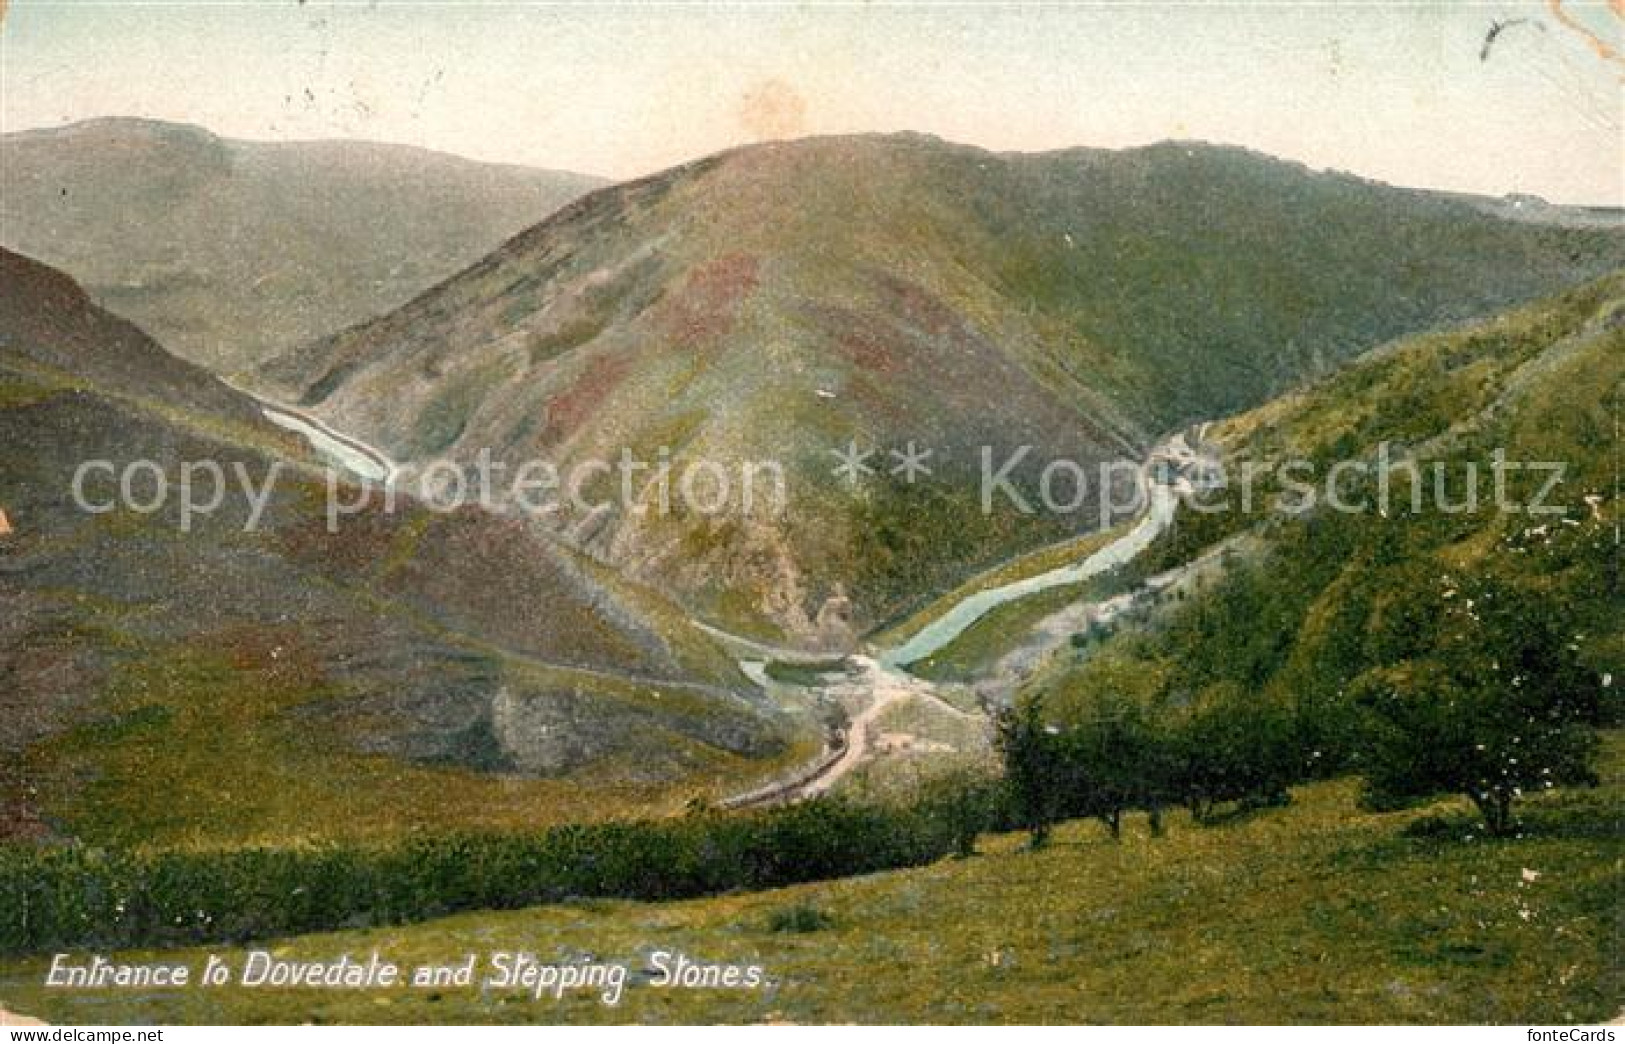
936,635
874,684
345,451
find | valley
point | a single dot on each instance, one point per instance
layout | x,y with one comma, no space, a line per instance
359,459
877,685
876,290
753,732
1066,647
349,681
762,584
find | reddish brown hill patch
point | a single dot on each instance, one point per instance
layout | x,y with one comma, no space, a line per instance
707,305
569,409
919,308
273,655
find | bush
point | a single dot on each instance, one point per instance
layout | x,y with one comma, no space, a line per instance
1231,746
1432,828
967,805
800,919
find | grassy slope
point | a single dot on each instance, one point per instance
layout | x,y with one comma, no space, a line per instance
1542,383
241,721
1439,391
221,687
1314,913
1427,391
208,744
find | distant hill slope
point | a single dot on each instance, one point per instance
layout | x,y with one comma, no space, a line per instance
775,302
229,251
412,669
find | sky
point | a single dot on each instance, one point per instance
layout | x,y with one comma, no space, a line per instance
1396,91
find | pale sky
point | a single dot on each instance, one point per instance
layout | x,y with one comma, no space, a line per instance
1395,91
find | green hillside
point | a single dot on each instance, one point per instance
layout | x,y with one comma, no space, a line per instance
222,684
1328,596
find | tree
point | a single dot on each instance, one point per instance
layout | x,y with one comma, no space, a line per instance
965,804
1232,745
1499,705
1112,761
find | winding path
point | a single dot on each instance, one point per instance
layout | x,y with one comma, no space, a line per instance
866,678
886,687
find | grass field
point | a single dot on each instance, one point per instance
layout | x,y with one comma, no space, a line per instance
1314,913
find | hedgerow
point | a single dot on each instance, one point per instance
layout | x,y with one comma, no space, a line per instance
64,896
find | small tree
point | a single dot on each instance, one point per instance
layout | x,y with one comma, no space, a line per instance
965,804
1498,706
1113,762
1033,769
1231,745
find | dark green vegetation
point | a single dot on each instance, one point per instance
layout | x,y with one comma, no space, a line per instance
409,671
1431,651
775,302
53,897
1490,702
229,251
810,673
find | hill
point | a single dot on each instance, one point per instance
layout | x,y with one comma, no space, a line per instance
247,673
231,251
47,319
778,302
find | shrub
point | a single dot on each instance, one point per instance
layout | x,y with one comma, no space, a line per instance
801,918
966,805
